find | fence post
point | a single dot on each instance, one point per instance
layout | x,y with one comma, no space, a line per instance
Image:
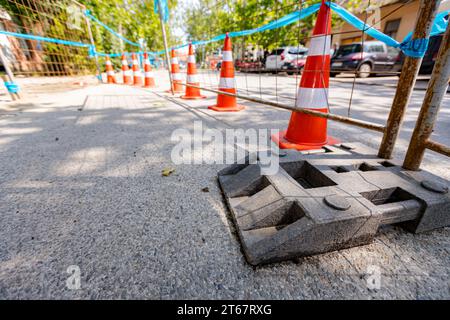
91,37
428,113
163,30
407,81
14,96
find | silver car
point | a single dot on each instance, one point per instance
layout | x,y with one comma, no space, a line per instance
278,57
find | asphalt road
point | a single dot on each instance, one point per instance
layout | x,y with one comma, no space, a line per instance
81,185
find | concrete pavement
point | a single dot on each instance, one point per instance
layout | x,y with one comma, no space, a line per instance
81,185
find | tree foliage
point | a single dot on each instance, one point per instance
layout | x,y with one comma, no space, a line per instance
212,17
135,20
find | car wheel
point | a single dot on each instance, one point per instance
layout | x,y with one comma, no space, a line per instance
290,73
333,74
364,70
274,72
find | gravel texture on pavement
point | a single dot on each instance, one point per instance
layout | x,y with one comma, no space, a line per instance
81,184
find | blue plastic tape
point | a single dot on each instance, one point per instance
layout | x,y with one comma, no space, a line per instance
411,47
165,9
39,38
415,48
12,87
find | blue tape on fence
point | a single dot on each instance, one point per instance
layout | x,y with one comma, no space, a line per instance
165,9
12,87
39,38
411,47
439,25
90,16
283,21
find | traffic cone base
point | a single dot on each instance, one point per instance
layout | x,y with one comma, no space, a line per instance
235,108
226,103
193,98
283,143
177,88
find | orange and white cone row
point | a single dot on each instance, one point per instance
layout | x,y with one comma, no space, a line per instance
110,76
125,70
306,132
176,75
192,77
227,82
137,76
149,77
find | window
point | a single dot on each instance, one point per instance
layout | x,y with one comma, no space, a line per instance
391,28
393,51
277,52
376,48
348,49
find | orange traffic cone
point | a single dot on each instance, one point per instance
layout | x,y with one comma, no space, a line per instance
192,78
137,79
306,132
176,75
227,82
110,71
149,78
126,71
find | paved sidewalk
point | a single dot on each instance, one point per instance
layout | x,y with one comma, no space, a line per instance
81,184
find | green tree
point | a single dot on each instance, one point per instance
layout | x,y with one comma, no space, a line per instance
135,20
210,18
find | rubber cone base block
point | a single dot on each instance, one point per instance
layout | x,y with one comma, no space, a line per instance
192,98
236,108
282,143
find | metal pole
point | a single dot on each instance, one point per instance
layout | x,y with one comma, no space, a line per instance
437,88
329,116
9,73
163,30
407,81
88,23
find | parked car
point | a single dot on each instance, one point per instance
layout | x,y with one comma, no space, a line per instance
296,65
368,59
278,57
249,66
428,60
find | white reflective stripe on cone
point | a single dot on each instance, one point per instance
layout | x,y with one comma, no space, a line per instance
226,83
191,59
124,62
312,98
135,62
149,74
176,76
128,73
108,63
137,73
174,60
193,78
320,46
110,73
147,62
227,56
